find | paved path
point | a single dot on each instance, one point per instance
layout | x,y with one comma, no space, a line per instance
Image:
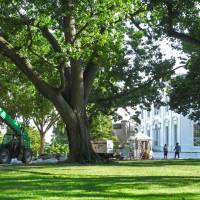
159,155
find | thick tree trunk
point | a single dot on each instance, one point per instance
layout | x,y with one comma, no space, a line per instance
79,144
77,133
42,142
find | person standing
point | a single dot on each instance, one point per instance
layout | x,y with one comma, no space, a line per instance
165,150
177,150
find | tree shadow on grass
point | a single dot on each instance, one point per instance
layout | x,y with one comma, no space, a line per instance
109,195
91,187
134,163
156,163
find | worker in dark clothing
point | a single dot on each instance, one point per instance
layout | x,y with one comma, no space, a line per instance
165,150
177,150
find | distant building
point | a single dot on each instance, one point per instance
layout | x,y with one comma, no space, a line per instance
123,130
167,127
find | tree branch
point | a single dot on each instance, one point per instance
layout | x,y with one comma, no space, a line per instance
55,119
61,68
185,38
45,60
24,65
64,69
92,14
80,31
137,25
89,76
45,32
173,70
170,14
123,94
51,39
37,124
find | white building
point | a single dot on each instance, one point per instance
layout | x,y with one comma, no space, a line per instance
167,127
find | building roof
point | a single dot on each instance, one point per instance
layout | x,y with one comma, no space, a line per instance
139,136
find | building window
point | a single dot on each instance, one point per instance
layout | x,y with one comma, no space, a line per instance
148,114
175,134
196,133
167,135
156,135
148,132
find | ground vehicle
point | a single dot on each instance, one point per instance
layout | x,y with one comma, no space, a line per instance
103,148
15,145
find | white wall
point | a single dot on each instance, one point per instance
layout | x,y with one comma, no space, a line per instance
184,129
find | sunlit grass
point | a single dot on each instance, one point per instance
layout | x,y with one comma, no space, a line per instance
140,180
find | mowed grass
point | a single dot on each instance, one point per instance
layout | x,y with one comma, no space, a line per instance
139,180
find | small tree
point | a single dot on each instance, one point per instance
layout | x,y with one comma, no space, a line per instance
44,117
35,140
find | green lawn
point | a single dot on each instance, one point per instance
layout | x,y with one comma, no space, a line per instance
140,180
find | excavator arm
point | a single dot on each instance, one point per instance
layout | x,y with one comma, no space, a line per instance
15,126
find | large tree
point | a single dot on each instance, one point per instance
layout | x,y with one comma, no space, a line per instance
62,46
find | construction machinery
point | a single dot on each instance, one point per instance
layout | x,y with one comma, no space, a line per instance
16,144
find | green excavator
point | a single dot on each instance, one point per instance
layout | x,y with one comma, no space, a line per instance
16,144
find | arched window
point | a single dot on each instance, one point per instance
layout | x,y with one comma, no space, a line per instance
156,134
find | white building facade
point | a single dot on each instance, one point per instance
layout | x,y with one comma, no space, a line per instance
167,127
